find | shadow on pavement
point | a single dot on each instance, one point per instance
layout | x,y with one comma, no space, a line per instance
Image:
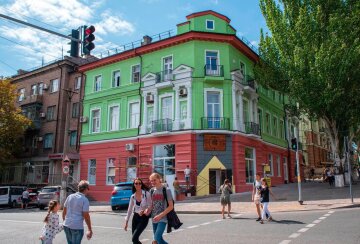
287,222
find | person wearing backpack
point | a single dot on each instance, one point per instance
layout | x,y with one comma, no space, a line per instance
140,201
160,208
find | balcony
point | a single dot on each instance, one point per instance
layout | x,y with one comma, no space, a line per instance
252,128
164,76
161,125
215,123
31,99
248,81
214,70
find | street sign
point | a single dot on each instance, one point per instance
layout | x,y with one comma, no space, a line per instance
66,169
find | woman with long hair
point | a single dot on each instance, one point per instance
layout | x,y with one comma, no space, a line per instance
140,201
225,191
265,191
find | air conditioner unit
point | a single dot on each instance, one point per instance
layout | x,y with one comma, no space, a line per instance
129,147
183,92
39,138
150,98
83,119
42,115
45,87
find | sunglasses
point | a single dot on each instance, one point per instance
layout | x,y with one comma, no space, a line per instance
137,183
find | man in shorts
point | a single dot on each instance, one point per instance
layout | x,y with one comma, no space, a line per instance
187,173
25,199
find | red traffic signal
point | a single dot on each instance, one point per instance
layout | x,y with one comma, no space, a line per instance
88,39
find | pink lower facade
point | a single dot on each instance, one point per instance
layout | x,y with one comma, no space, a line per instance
107,162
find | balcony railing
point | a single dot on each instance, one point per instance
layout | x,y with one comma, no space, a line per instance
164,76
31,99
215,123
214,70
248,81
161,125
252,128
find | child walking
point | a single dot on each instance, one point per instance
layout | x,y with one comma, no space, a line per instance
265,199
51,226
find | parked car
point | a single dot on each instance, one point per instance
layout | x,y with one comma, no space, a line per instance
121,194
11,195
47,194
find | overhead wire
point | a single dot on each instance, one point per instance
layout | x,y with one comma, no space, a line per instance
8,65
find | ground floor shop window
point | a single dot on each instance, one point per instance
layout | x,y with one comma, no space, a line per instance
110,171
249,164
164,159
92,172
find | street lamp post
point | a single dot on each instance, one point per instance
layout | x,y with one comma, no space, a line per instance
298,166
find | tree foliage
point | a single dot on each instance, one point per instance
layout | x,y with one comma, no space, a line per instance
312,53
12,122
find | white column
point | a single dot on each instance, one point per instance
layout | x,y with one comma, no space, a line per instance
176,125
156,102
144,123
241,112
235,117
189,106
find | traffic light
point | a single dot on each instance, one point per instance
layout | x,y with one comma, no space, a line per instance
293,144
88,38
74,45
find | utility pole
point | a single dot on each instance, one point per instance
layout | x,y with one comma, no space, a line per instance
298,165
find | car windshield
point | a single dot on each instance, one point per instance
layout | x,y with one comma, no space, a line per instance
48,190
123,187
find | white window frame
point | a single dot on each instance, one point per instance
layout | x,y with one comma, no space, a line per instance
107,171
129,115
21,94
278,163
172,103
110,119
206,90
132,73
113,82
95,81
51,141
241,62
89,166
77,85
149,119
254,164
91,120
34,92
41,88
52,88
206,24
217,59
271,164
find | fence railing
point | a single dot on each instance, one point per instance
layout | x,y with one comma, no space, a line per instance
252,128
163,76
214,70
161,125
215,123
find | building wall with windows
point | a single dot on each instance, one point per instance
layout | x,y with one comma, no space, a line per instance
43,96
190,99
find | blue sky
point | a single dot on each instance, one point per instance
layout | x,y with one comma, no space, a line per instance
117,22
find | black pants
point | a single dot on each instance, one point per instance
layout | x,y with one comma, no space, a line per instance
139,224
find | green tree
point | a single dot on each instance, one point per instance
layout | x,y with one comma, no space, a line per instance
312,53
12,122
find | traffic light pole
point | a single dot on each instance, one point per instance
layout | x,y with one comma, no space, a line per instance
39,28
298,166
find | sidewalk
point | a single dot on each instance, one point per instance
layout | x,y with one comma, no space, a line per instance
316,196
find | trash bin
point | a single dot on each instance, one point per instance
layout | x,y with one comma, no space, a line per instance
339,180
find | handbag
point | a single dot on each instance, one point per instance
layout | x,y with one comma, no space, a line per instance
173,219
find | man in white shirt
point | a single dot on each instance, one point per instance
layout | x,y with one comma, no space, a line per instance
25,199
187,173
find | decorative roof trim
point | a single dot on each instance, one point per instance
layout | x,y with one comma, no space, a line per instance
197,14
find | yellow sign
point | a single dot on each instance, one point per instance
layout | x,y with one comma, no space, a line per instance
267,168
268,180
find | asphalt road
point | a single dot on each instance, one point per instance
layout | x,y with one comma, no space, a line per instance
331,226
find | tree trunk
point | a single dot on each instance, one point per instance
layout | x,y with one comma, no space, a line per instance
332,133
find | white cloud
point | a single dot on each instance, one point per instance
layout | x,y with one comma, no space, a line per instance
216,2
113,24
60,16
255,43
